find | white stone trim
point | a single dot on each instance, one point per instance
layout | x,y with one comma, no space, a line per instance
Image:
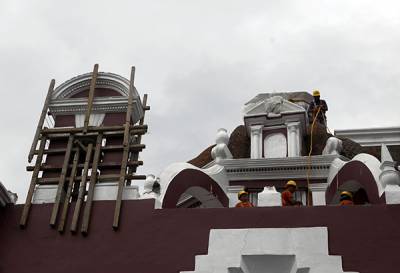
278,168
372,136
293,139
102,191
256,141
277,250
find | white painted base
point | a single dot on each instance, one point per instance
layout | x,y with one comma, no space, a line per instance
392,194
269,197
103,191
268,250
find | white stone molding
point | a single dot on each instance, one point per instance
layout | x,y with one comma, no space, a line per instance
318,193
294,139
268,250
62,104
372,136
256,141
82,82
278,168
44,194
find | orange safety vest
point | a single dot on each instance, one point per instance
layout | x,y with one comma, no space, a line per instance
346,203
287,198
244,205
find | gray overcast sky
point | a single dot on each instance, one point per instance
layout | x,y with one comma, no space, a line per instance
200,61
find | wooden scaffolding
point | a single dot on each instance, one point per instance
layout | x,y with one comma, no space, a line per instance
77,178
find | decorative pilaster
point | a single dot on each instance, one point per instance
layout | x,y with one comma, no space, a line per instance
256,141
293,139
318,193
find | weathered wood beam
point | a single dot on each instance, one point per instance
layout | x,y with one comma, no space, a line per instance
135,156
82,189
73,130
102,165
41,120
101,178
90,97
61,183
28,202
71,181
125,153
113,133
92,182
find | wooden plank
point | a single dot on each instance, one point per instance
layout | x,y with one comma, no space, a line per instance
125,153
92,183
135,156
90,97
41,120
101,178
71,181
28,202
55,151
92,129
82,189
61,183
113,133
102,165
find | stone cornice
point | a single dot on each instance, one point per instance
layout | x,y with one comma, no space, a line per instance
372,136
278,168
82,82
4,196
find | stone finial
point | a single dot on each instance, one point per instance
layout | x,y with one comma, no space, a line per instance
221,150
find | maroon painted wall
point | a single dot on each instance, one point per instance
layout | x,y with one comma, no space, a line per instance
155,241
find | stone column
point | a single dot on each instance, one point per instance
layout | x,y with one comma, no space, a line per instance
318,194
256,141
293,139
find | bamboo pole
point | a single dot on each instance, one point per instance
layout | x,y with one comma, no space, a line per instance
41,120
135,155
93,129
82,188
125,153
100,178
61,183
28,202
71,181
91,97
92,183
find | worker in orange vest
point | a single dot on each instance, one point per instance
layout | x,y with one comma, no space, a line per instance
287,194
243,197
346,198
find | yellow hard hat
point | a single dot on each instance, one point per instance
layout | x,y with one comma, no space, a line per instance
291,183
241,193
316,93
346,193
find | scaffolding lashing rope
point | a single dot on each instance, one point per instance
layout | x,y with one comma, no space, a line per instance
309,156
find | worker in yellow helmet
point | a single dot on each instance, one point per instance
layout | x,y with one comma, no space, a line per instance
287,194
244,202
346,198
317,109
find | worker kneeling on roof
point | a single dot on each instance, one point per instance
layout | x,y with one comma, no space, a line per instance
317,109
243,197
287,194
346,198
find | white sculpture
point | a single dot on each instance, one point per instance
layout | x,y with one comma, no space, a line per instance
273,105
333,146
151,190
269,197
221,150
